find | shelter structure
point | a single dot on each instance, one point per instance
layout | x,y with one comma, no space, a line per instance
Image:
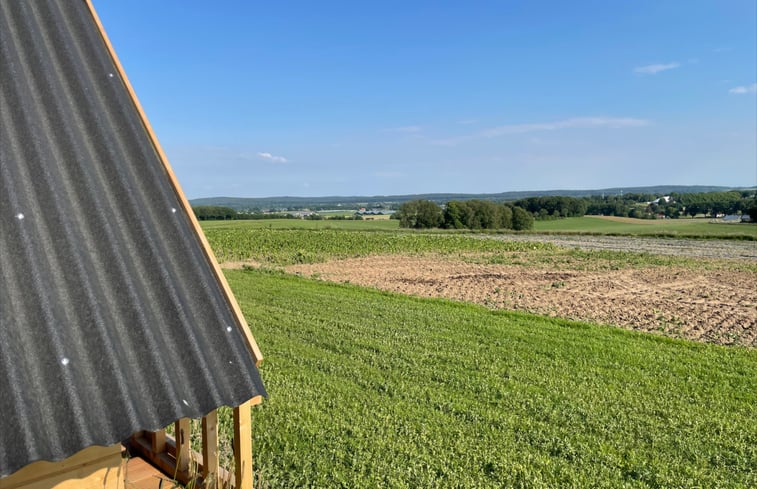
115,319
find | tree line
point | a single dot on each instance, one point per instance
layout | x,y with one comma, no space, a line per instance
642,206
463,214
221,213
214,213
519,214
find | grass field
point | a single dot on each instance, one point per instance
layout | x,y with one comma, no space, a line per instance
369,389
689,228
372,389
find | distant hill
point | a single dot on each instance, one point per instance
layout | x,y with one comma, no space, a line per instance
350,202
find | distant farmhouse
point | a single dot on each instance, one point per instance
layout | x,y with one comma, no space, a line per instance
665,199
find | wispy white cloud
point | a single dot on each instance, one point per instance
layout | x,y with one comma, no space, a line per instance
744,89
404,129
653,69
272,158
572,123
467,122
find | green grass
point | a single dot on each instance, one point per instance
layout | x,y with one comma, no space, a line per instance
370,389
685,228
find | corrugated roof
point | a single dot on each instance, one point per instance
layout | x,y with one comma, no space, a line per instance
112,319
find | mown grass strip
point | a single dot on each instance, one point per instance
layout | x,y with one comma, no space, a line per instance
661,228
369,389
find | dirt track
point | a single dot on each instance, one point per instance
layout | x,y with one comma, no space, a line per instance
696,248
718,306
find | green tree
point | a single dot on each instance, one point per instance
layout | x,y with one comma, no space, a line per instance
506,217
522,219
455,215
420,214
213,212
752,210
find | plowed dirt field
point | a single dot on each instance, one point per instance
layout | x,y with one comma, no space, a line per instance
715,305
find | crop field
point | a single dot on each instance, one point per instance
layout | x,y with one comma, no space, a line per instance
289,246
697,228
373,389
677,295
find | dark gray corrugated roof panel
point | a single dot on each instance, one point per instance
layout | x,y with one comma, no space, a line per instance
111,318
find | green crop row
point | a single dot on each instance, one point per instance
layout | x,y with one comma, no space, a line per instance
281,247
290,246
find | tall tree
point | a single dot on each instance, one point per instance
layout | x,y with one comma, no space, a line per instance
420,214
522,219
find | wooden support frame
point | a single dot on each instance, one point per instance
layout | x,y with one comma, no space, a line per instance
210,447
168,453
183,448
243,445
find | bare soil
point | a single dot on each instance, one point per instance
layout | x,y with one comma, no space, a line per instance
693,248
714,306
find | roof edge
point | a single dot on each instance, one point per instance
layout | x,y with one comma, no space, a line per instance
209,255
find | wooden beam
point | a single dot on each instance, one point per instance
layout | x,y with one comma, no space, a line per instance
182,445
94,467
165,461
243,445
187,208
157,441
210,447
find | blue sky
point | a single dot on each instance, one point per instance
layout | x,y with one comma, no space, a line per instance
256,99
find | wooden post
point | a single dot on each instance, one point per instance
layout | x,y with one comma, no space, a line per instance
157,441
210,448
182,445
243,446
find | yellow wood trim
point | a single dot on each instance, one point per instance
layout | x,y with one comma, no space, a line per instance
94,466
243,445
241,322
210,446
183,448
